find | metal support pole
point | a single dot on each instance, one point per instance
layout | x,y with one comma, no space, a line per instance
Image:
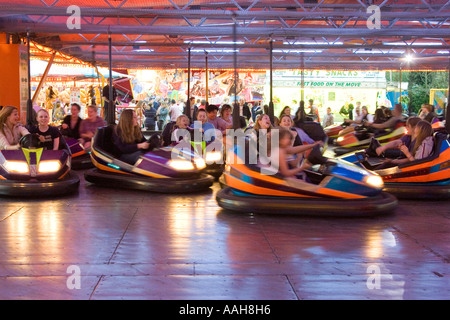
44,77
206,76
400,86
446,111
29,119
302,94
111,116
271,107
187,107
236,108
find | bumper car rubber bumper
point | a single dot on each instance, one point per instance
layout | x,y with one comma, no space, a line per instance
214,170
381,204
339,151
82,162
418,190
160,185
66,185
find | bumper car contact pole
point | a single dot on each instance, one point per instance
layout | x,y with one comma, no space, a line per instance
111,116
187,106
447,114
29,119
271,111
236,108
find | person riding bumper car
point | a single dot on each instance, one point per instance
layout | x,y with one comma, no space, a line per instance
427,178
331,188
166,169
32,171
360,138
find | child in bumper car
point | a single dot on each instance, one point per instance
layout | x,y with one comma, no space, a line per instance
128,139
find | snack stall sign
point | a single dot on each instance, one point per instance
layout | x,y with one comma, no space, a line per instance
329,79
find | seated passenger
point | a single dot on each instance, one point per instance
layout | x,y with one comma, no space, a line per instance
358,117
11,130
286,122
48,135
285,150
424,144
418,146
218,123
89,126
128,138
407,139
397,115
226,114
208,130
366,116
379,116
262,123
180,129
71,123
427,113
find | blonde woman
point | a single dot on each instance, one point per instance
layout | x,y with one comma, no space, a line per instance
11,130
180,129
48,135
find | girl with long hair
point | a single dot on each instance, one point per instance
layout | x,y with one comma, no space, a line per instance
11,130
424,142
128,138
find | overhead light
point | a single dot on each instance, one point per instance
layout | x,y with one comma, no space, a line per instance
138,49
313,43
378,51
215,50
401,43
213,42
409,57
297,50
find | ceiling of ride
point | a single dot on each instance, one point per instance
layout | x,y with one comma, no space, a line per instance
310,34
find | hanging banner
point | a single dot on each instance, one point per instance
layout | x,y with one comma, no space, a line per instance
330,79
172,84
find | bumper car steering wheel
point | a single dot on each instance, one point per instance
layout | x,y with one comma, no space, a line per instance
30,141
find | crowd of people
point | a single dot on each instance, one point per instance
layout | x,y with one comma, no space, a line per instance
175,121
73,126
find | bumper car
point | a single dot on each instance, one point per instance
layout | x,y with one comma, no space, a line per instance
81,158
214,165
334,131
164,170
360,138
314,130
214,159
332,188
427,178
32,171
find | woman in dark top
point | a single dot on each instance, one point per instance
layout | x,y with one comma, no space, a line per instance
128,138
71,123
